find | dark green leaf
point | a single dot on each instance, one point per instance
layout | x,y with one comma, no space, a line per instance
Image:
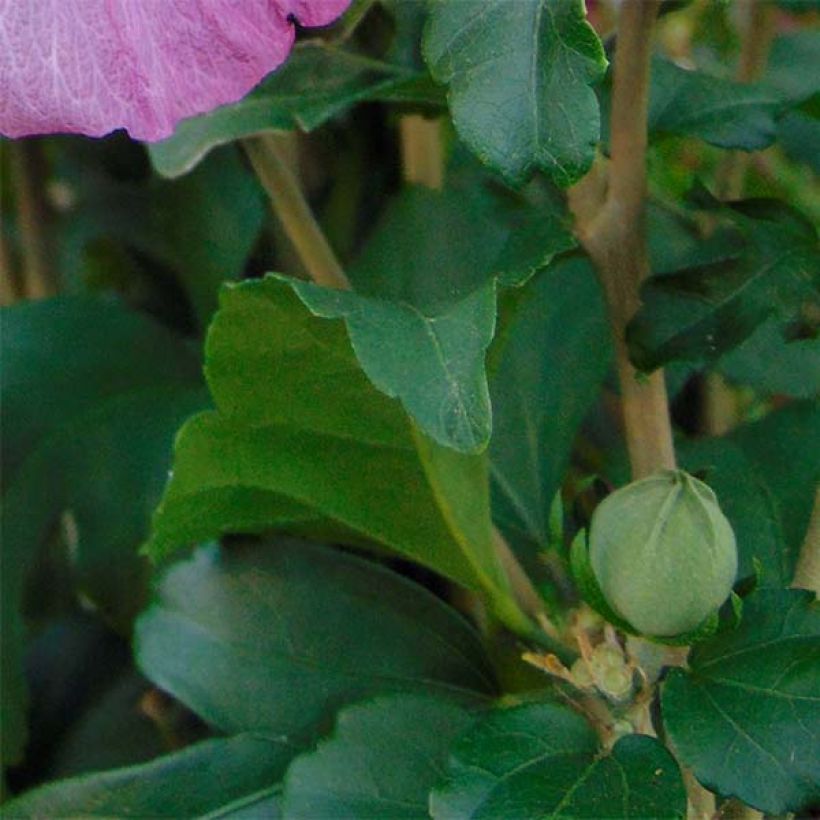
700,313
381,761
555,357
92,394
721,112
764,475
279,636
746,714
201,228
316,84
774,365
519,77
543,760
793,62
433,363
424,312
302,441
113,732
212,778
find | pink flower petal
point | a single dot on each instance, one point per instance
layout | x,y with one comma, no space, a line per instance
91,66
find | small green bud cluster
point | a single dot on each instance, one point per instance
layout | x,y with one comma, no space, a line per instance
607,670
663,553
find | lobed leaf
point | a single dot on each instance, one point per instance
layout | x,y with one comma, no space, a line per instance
302,441
745,716
381,761
543,760
520,77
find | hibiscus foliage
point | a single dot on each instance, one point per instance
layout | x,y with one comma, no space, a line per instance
317,363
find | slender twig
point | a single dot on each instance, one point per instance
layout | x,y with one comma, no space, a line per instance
615,238
27,168
422,152
9,289
293,211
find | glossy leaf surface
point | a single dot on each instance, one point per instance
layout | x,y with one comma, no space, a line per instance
278,636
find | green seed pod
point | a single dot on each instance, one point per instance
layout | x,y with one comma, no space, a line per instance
663,553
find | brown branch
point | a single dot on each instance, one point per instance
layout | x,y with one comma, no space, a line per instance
615,238
28,176
293,211
422,152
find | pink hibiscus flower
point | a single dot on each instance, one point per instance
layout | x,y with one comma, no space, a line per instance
91,66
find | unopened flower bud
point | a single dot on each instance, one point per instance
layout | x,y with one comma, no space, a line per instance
663,553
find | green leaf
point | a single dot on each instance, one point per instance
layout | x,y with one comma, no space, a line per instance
555,356
721,112
520,77
773,365
382,760
700,313
764,475
92,394
317,83
433,363
279,636
543,760
745,716
208,778
424,313
302,441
